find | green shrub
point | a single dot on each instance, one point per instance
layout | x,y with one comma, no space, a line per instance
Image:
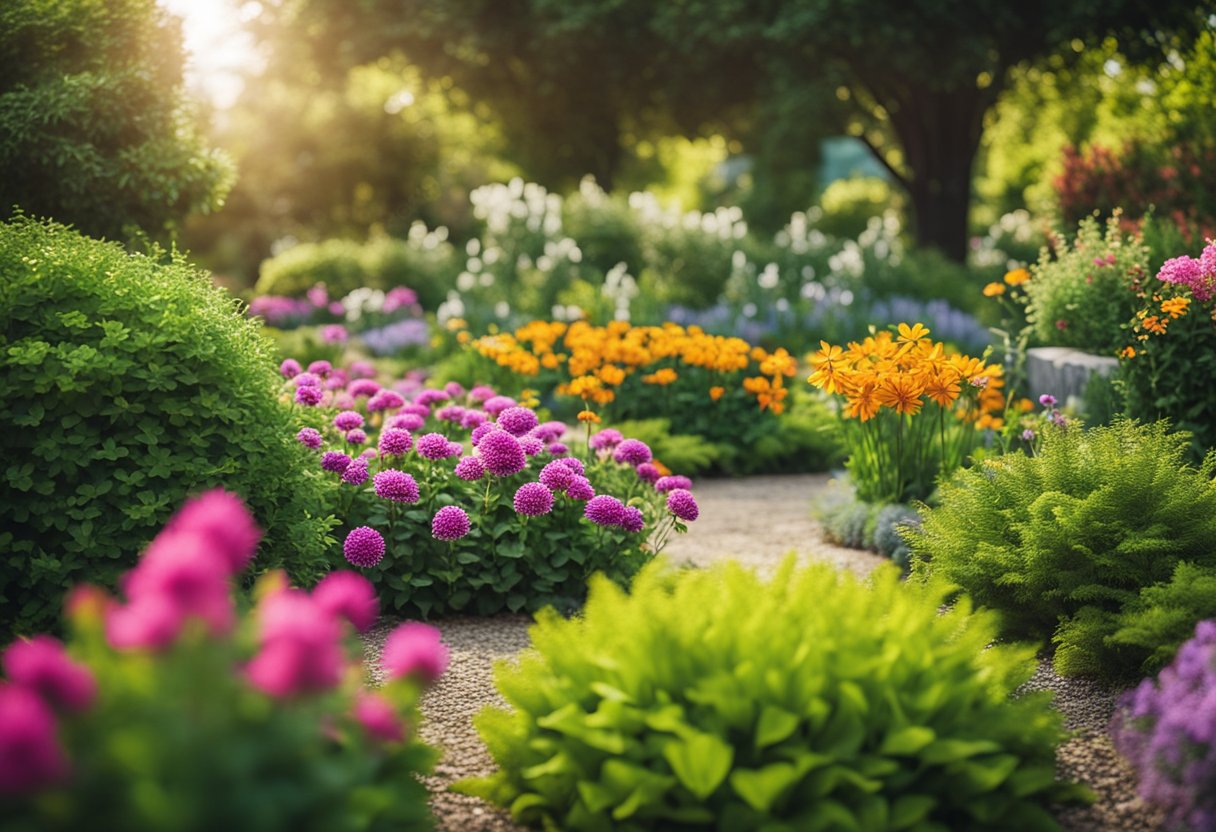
1164,615
1064,543
1083,295
425,262
848,205
712,699
127,384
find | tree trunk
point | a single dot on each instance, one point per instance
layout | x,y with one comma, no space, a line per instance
939,133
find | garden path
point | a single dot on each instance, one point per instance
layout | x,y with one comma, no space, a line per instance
757,521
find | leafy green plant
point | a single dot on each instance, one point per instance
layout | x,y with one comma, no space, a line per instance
1164,615
1082,294
715,699
1064,543
848,521
171,710
126,385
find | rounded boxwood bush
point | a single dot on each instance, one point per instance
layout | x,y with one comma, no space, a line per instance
125,385
714,699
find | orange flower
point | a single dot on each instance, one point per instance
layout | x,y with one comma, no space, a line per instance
863,404
1175,307
901,393
911,334
1155,325
828,363
661,377
1017,277
715,393
1128,352
588,416
993,289
942,388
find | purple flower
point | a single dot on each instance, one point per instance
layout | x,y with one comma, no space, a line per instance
335,462
310,438
320,368
665,484
556,476
470,468
632,452
309,396
356,436
307,380
395,442
482,394
682,504
417,409
450,523
606,439
362,369
434,446
41,665
430,397
497,404
605,511
557,449
450,413
648,473
633,520
30,756
356,473
397,486
574,464
531,445
334,334
533,499
472,419
480,431
550,431
517,421
580,489
348,420
290,368
1028,435
1047,400
318,295
363,547
363,387
454,389
501,453
407,421
385,400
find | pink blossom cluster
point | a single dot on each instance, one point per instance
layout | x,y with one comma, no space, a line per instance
1197,274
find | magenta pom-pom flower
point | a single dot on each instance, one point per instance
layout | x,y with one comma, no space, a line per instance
454,389
363,387
310,438
632,452
356,437
364,547
385,400
320,368
472,418
665,485
605,510
362,369
335,461
606,439
556,476
501,453
348,595
429,397
450,413
356,473
580,489
647,472
307,380
480,431
533,499
222,518
482,394
450,523
348,420
682,504
290,368
41,665
557,449
301,646
497,404
395,442
517,421
378,717
434,446
470,468
30,756
407,421
531,445
413,649
574,464
396,486
309,396
334,334
633,521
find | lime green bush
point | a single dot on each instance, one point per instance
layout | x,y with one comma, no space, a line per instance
1070,542
125,385
848,205
714,699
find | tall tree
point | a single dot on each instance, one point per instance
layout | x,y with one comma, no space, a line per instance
94,126
569,77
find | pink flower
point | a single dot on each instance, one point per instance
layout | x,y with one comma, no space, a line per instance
185,568
378,717
150,623
414,647
301,646
30,756
41,665
222,518
350,596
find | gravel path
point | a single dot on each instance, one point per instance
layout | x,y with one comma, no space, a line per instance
756,521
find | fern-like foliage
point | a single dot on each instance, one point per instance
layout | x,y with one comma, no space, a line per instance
1063,543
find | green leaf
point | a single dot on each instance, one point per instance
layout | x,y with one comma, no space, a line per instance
701,762
761,787
907,741
774,725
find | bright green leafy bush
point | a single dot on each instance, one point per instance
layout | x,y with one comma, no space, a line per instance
713,699
127,384
1083,294
1067,543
